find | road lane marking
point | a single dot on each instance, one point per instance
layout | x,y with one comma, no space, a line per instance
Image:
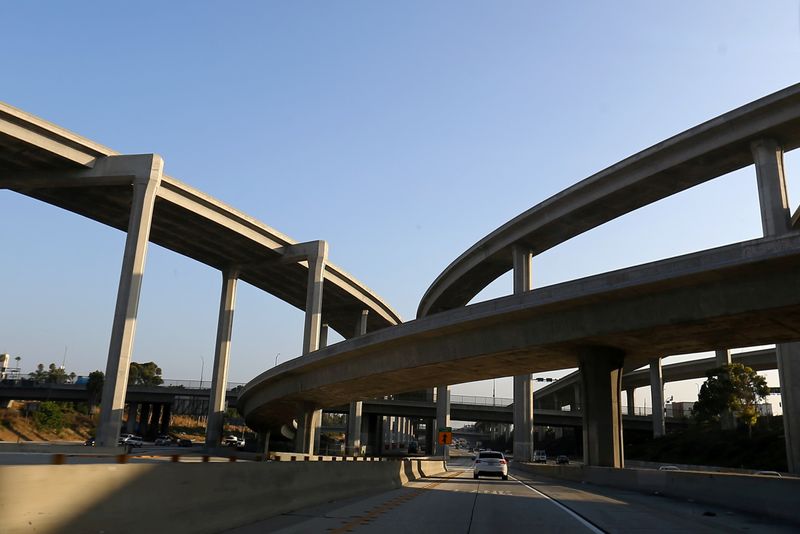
574,515
387,506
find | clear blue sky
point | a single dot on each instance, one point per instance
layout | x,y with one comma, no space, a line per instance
400,132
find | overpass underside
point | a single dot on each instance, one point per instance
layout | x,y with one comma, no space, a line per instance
744,294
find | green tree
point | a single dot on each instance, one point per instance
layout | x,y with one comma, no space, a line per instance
52,375
49,416
733,387
145,374
94,388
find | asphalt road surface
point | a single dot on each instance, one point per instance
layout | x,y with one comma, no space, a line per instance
455,503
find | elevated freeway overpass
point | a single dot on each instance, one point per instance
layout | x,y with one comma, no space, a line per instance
132,193
739,295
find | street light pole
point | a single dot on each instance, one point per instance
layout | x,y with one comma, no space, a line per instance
202,370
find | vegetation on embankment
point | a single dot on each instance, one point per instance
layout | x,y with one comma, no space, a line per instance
62,421
707,444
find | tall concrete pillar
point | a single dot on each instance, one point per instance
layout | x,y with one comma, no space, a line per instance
316,254
789,375
144,419
316,277
657,396
353,439
727,420
442,418
145,187
772,194
133,408
430,437
630,392
222,351
307,423
601,373
523,384
262,445
577,394
166,418
155,419
776,220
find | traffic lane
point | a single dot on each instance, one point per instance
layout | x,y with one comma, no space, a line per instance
621,511
452,502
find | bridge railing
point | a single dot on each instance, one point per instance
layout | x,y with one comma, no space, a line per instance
481,401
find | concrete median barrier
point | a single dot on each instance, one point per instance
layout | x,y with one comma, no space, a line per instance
196,498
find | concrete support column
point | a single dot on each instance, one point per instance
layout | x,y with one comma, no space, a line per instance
166,418
263,442
442,418
155,420
577,394
222,351
523,418
523,384
133,408
145,187
772,194
630,393
430,437
144,419
353,438
657,396
601,373
776,220
789,375
316,254
316,273
307,424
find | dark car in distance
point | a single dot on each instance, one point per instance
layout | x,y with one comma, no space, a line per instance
561,459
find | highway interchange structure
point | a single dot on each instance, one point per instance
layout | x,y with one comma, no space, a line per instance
739,295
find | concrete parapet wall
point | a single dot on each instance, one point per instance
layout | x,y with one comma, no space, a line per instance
50,448
760,495
196,498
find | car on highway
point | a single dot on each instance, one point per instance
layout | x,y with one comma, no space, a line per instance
233,441
540,457
669,468
89,442
562,459
183,442
165,440
491,463
132,441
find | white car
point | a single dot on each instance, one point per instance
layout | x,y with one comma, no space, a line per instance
540,457
130,439
490,463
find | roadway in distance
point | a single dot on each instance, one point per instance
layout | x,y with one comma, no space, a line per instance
455,503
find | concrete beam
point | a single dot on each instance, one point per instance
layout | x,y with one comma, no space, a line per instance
222,351
148,170
104,171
